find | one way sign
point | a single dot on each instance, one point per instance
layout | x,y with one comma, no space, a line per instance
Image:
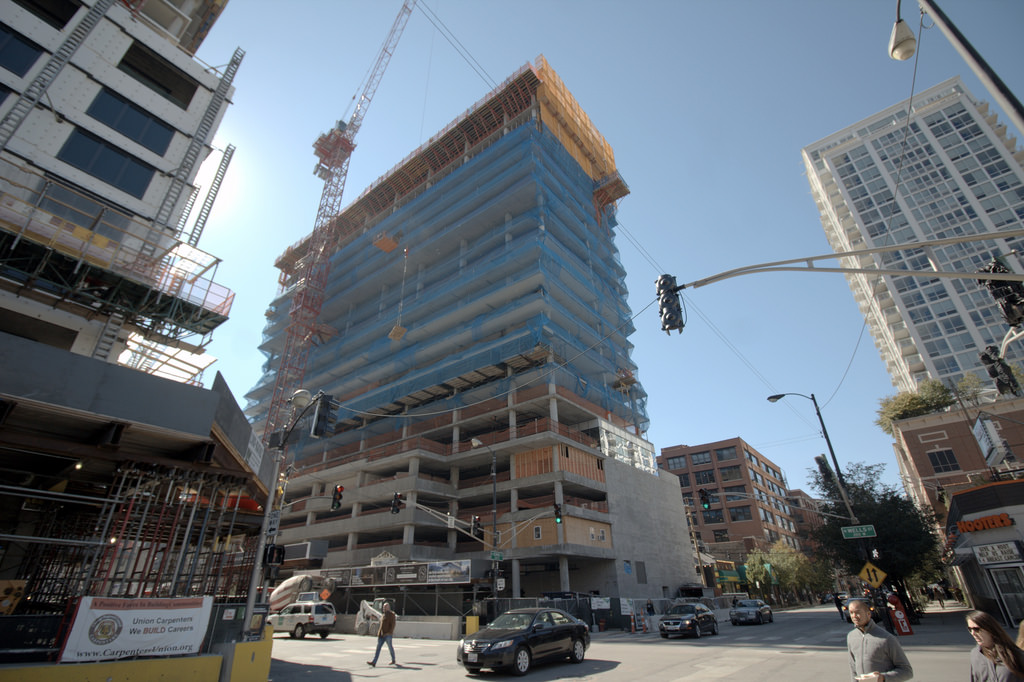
872,575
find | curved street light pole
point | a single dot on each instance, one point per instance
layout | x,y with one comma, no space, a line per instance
840,481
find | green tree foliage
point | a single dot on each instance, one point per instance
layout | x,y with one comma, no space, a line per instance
969,388
931,396
906,543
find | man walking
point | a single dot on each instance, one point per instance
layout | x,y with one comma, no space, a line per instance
384,634
875,655
839,605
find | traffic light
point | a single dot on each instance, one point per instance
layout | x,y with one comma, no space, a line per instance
824,468
396,503
336,498
1009,296
558,513
668,304
323,417
705,499
1000,371
476,530
273,555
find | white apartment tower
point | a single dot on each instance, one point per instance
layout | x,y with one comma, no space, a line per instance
946,169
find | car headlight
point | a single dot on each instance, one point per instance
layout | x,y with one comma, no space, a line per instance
687,622
503,644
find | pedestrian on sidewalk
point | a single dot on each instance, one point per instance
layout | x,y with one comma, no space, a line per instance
996,658
1020,635
937,596
384,634
875,655
835,598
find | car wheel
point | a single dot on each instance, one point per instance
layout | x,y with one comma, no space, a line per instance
299,632
664,635
734,622
362,629
578,651
714,628
771,617
521,661
760,620
696,632
472,670
323,634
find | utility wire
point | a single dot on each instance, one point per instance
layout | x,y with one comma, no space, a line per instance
456,44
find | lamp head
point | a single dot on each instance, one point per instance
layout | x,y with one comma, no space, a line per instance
301,399
776,398
476,442
901,43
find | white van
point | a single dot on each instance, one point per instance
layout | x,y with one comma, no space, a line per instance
305,616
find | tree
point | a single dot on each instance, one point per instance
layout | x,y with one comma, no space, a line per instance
970,388
905,542
931,396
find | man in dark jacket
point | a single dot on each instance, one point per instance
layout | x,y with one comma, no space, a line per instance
875,655
384,634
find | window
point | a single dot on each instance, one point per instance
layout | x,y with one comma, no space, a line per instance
56,13
735,489
17,54
701,477
713,516
600,534
730,473
724,454
700,458
676,462
684,480
158,74
721,536
131,121
740,513
106,162
641,572
943,460
536,533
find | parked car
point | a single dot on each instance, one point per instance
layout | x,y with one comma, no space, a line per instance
300,617
688,619
517,639
751,611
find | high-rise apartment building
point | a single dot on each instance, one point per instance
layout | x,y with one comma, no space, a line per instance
941,168
746,495
475,342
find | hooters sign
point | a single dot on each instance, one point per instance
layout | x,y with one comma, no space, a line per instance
985,523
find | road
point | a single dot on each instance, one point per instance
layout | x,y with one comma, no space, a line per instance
803,645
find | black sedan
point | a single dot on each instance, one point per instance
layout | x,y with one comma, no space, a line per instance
688,619
751,611
518,638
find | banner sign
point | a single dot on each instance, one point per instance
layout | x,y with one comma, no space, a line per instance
106,628
431,573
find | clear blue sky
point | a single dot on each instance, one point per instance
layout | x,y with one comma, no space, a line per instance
707,105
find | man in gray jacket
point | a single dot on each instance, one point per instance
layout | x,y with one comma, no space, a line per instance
875,655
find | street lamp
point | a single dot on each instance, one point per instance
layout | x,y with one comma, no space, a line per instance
840,482
900,47
301,400
476,443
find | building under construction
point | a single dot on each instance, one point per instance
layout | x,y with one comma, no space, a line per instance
121,476
474,342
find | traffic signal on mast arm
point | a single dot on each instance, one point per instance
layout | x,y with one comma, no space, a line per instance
336,498
323,417
1008,295
558,513
668,304
705,499
396,503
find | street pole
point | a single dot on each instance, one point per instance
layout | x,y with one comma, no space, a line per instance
476,443
840,481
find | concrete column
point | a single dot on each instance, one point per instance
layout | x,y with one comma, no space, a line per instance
409,534
414,467
516,587
563,573
353,540
553,408
555,464
513,499
453,509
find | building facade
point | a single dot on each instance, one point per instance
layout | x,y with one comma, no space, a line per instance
476,351
948,169
748,505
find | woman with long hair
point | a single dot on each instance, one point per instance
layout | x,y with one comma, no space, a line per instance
996,658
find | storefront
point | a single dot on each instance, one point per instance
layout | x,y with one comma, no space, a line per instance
984,533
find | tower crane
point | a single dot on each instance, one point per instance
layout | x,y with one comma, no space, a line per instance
333,150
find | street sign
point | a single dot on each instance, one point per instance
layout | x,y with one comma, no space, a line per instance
500,584
854,532
273,522
872,575
496,556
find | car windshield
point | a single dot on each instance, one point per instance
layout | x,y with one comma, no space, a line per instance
682,609
512,621
747,604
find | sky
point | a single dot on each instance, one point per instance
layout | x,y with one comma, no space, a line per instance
706,104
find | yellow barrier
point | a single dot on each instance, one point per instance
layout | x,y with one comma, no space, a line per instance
472,624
